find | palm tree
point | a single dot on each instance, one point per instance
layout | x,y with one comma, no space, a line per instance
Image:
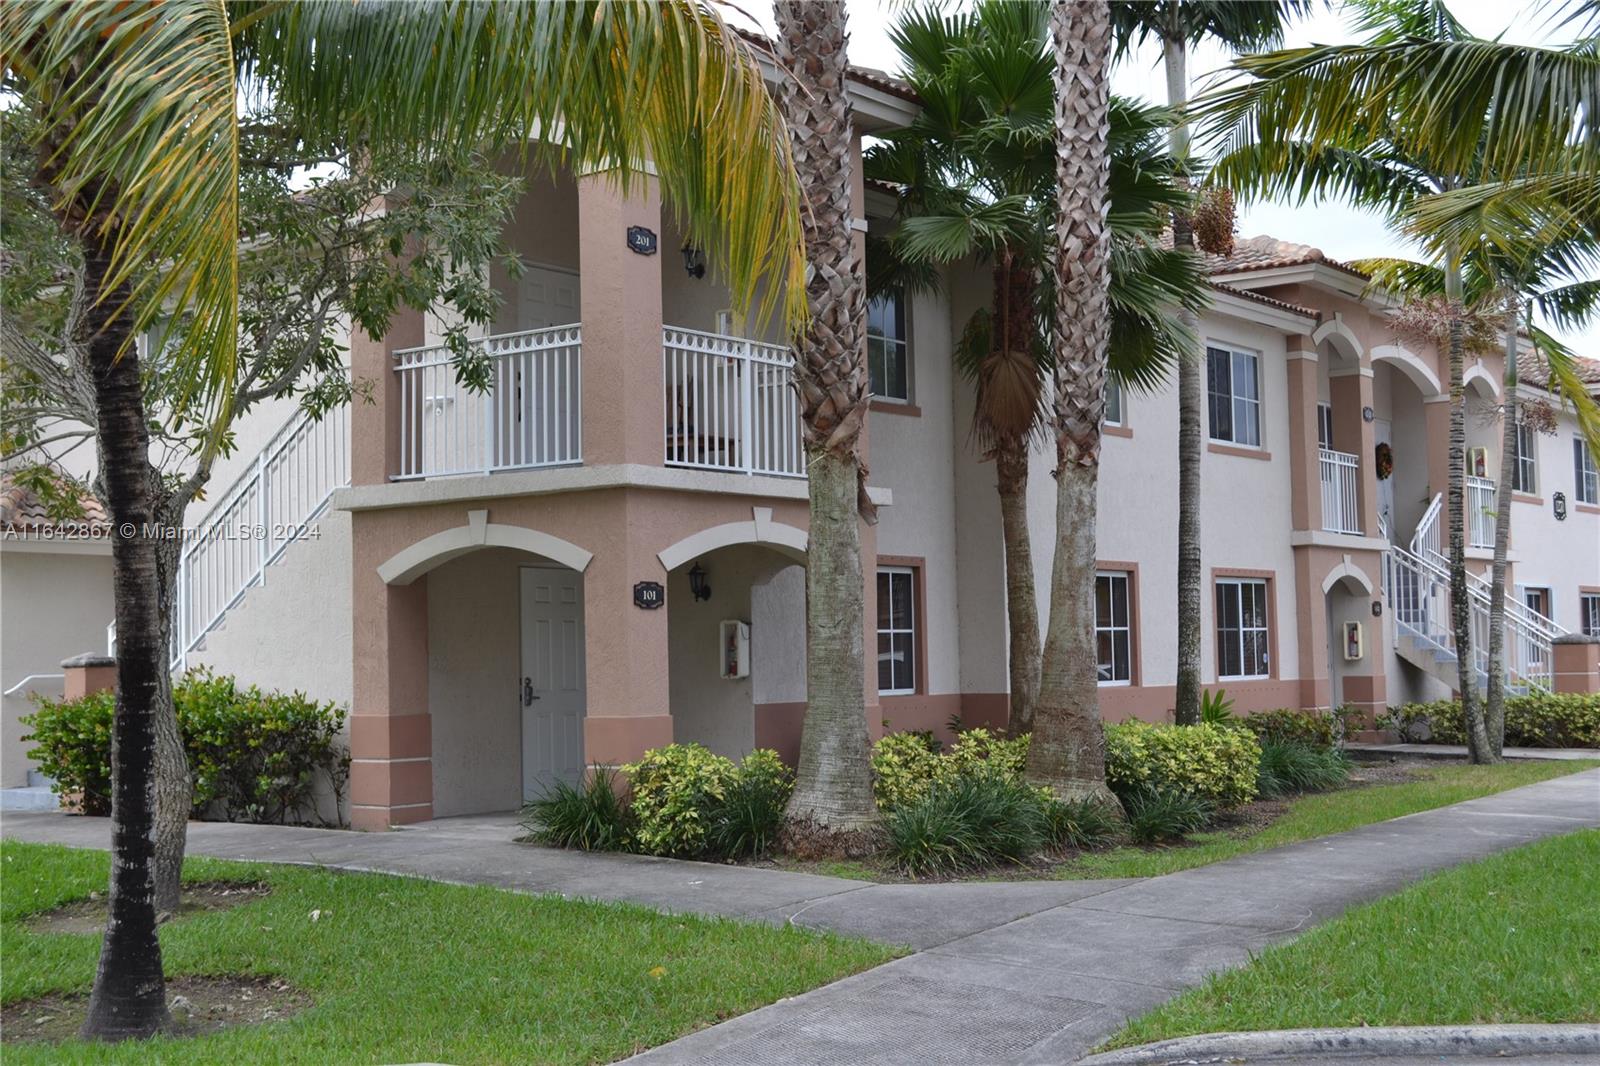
137,111
1068,749
1178,24
833,782
976,177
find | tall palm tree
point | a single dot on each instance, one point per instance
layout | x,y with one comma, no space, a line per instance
1068,749
137,109
1178,24
833,781
976,177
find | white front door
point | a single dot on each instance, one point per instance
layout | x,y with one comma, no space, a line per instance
551,688
1383,433
547,296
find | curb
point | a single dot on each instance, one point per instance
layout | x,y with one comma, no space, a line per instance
1316,1045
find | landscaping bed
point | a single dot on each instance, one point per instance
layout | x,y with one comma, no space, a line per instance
1510,939
373,968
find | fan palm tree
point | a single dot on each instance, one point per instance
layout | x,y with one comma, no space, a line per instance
1179,24
137,108
833,781
976,178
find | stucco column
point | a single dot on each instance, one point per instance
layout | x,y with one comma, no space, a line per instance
1305,483
84,675
375,426
621,293
1311,630
391,738
1351,394
1577,663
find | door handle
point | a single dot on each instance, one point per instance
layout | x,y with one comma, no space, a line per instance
527,692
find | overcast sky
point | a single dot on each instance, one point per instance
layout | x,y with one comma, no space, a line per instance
1340,231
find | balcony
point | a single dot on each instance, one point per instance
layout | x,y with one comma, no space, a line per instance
528,417
1341,491
1480,512
730,404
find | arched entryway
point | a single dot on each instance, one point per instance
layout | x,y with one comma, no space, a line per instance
1354,635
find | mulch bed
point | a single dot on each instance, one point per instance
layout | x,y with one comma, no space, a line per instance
86,916
199,1005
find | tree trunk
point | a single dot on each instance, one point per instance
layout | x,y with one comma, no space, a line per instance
1494,701
833,783
1022,605
1460,604
174,788
129,996
1068,749
1191,398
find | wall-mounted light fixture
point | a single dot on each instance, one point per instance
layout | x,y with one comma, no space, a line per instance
694,261
697,583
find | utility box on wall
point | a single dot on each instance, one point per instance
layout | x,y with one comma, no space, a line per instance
734,656
1354,642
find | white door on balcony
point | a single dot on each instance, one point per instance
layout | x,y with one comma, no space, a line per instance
536,389
551,687
547,296
1382,433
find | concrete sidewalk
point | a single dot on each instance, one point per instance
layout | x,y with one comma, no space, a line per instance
1458,751
1021,971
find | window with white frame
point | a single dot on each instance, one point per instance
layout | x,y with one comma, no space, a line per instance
1113,627
1113,402
1589,613
1524,473
888,354
897,631
1243,636
1586,476
1325,426
1233,386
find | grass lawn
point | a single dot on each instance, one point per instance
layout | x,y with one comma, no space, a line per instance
1320,814
1513,938
403,970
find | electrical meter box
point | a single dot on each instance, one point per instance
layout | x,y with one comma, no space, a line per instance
734,658
1354,642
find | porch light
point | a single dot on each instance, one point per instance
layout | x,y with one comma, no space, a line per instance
694,261
697,583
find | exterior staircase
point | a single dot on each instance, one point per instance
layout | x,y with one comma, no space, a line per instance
1417,588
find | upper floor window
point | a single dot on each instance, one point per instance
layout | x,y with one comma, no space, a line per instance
1113,628
1242,633
1233,383
888,353
1589,613
897,631
1113,402
1523,473
1325,426
1586,476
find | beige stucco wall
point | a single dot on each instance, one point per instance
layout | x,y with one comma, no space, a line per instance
53,604
1562,556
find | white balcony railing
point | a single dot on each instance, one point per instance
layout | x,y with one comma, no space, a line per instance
1341,491
528,417
730,404
1480,512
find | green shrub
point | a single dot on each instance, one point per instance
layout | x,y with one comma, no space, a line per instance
253,756
1315,729
904,767
1157,814
592,818
747,821
1288,767
1215,764
1080,824
73,746
1541,720
971,821
1216,708
674,790
980,752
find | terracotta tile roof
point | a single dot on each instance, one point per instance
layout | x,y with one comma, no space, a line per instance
1266,253
1246,294
1533,370
22,510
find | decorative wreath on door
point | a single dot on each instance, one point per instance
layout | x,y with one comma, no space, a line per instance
1383,457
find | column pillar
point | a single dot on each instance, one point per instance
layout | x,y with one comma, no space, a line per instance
1577,663
375,427
1351,394
621,294
391,738
1305,484
84,675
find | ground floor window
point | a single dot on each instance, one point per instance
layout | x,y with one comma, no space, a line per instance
897,631
1589,611
1242,628
1113,627
1537,599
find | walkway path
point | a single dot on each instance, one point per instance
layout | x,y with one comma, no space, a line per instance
1459,751
1035,971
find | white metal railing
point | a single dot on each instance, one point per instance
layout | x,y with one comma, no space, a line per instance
1481,509
530,415
1341,491
1426,538
730,404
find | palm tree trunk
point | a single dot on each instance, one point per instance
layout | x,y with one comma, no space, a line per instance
1494,701
1068,748
174,788
1022,606
129,996
1455,498
833,782
1191,397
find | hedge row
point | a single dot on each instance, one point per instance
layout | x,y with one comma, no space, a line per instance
1541,720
